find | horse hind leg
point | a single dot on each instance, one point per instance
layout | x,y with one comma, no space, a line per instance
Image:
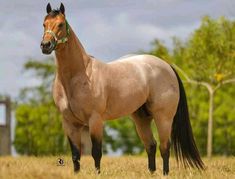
163,121
142,122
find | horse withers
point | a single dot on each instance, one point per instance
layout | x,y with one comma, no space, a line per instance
88,92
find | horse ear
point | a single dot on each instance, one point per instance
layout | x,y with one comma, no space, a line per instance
48,8
62,9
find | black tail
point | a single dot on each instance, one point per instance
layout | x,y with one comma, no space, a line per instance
181,135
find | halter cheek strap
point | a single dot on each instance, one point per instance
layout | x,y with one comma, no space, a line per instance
63,39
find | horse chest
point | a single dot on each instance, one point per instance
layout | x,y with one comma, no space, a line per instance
75,104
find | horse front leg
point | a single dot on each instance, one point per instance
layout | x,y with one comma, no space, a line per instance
74,136
96,133
76,155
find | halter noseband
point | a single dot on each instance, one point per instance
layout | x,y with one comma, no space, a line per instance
63,39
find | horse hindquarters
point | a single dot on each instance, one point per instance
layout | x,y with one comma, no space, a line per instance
163,121
172,120
142,120
163,111
143,128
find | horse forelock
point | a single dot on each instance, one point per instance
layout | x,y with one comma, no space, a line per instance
54,13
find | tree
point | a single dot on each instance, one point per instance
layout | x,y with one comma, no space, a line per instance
211,89
207,60
38,128
160,50
121,136
210,51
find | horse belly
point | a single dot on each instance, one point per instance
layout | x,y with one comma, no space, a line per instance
125,101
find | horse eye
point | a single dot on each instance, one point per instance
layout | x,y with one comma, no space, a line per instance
60,25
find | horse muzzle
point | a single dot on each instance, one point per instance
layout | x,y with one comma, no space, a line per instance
47,47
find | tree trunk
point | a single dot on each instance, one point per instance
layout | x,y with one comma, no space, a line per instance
210,124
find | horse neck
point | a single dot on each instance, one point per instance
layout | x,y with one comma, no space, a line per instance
71,59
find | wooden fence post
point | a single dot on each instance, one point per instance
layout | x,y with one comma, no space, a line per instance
5,130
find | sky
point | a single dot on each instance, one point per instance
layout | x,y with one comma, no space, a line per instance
108,29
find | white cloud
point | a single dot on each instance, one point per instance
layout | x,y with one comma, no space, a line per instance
107,29
105,39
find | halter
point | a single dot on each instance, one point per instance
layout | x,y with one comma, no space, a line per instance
63,39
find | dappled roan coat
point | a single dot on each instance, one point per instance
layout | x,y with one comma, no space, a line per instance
88,92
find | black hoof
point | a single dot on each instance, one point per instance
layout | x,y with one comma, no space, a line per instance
165,173
76,168
76,171
97,171
152,169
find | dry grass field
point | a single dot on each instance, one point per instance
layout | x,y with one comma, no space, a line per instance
112,167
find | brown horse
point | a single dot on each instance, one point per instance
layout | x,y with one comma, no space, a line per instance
87,92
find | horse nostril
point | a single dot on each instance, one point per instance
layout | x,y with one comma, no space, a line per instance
46,44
